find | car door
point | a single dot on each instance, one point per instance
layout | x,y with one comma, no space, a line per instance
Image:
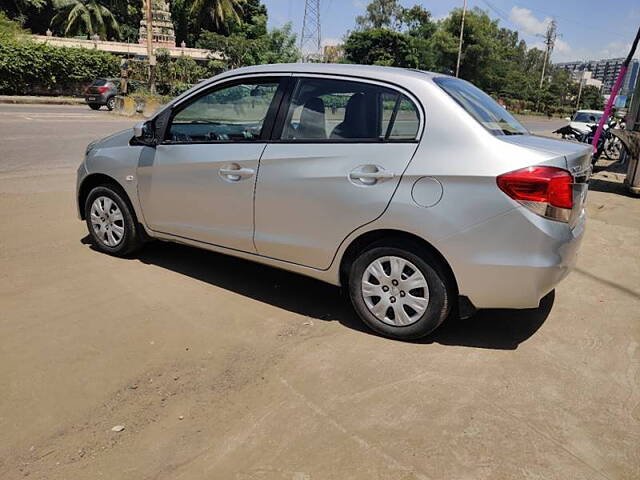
339,149
201,182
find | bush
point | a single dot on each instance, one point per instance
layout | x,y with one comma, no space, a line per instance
27,67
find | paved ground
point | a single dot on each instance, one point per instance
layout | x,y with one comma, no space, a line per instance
272,375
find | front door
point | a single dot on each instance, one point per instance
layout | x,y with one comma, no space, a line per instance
334,166
201,183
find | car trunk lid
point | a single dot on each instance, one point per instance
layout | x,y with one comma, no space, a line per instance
572,156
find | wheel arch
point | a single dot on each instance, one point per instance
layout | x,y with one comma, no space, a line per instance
95,180
364,241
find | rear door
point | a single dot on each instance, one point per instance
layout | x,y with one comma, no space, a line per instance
339,149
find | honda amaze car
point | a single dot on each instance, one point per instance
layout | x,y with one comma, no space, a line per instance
414,191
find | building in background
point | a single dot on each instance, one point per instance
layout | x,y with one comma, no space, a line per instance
163,32
586,77
606,71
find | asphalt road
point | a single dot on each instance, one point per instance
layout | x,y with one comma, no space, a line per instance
220,368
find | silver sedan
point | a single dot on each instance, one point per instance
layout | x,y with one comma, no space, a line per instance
414,191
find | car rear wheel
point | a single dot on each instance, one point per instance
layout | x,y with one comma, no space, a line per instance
94,106
402,293
110,221
111,103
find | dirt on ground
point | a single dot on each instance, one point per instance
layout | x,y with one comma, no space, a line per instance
219,368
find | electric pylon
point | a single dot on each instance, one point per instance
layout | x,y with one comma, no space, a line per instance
310,40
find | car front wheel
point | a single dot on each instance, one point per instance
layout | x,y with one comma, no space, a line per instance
402,293
110,221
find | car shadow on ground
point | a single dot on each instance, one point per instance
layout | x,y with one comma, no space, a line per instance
494,329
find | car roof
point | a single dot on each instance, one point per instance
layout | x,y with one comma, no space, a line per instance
589,111
365,71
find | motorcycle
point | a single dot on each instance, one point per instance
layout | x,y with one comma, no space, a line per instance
608,144
569,133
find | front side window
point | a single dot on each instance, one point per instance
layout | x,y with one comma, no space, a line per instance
325,110
234,113
481,106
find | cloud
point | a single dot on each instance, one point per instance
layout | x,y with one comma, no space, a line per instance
562,47
526,20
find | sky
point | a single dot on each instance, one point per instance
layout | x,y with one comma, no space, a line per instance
590,29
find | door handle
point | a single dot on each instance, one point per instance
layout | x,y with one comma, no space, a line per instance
234,173
370,174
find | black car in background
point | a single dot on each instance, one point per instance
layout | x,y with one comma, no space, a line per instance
102,91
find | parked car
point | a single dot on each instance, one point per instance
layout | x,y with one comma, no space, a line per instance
414,191
583,119
101,92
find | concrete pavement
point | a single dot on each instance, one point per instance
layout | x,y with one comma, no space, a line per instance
220,368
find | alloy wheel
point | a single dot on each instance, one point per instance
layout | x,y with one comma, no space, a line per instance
395,291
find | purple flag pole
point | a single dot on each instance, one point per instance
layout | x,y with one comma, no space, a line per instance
614,93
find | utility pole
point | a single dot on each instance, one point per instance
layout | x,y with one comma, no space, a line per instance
150,54
550,41
580,90
464,11
310,40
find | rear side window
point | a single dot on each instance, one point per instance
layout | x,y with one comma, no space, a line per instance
481,106
337,110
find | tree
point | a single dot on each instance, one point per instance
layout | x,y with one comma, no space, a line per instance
253,20
277,46
128,15
9,29
20,8
381,14
85,17
214,15
380,46
591,98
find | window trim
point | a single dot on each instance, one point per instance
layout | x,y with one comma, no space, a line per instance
297,77
283,81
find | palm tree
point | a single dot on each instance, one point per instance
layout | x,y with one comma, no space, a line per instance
80,17
216,12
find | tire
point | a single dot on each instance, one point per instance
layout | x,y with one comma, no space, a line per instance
115,231
111,103
94,106
437,297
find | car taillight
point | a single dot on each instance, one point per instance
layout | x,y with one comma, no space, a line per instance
546,191
103,89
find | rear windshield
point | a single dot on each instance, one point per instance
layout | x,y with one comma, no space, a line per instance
481,106
99,82
587,117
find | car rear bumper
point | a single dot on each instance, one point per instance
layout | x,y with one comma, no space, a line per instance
96,98
514,259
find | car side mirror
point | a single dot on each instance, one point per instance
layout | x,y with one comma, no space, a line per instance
144,133
568,119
